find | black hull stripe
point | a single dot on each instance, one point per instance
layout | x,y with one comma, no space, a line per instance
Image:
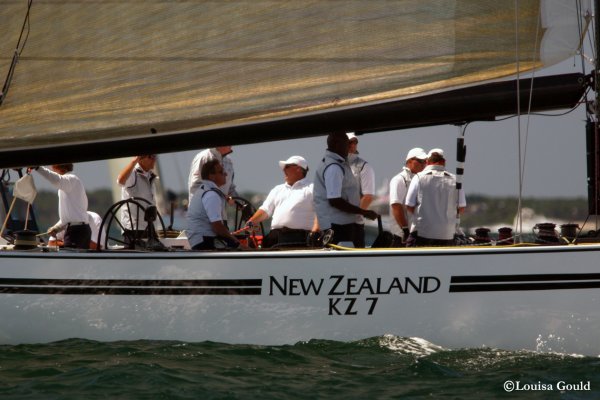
128,291
132,282
524,286
524,278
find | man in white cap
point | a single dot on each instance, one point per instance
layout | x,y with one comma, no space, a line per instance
290,205
400,226
336,194
433,199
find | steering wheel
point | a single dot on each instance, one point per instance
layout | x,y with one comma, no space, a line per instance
137,239
243,211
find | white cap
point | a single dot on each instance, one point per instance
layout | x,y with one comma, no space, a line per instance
440,152
297,160
351,135
417,152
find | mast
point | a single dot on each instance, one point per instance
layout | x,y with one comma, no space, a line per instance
592,129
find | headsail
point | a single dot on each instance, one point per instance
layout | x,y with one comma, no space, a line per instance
104,72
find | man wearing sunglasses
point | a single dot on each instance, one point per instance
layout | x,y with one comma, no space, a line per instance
400,226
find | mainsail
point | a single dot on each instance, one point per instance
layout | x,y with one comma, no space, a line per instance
97,79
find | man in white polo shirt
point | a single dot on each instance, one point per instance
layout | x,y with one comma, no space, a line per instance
290,205
400,226
434,200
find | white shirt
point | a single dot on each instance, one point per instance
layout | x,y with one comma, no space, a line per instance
291,206
138,184
433,193
195,179
204,209
364,173
72,199
95,221
398,189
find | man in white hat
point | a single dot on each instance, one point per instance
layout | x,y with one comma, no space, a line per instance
290,205
434,201
400,226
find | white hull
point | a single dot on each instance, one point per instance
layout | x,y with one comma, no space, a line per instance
526,296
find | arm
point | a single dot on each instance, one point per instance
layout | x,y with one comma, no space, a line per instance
258,217
333,185
367,181
344,206
411,195
366,200
50,176
315,227
220,230
399,215
126,172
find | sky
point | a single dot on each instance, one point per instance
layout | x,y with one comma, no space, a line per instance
555,163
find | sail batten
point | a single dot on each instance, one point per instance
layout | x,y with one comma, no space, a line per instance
100,71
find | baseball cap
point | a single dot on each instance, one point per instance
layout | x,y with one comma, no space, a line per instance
351,135
298,160
417,152
440,152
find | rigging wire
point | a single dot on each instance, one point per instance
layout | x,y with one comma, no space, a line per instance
17,54
529,105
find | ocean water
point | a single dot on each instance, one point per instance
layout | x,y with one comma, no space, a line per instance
386,367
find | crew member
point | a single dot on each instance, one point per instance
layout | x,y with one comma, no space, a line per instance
365,175
362,171
336,194
400,226
218,153
204,217
432,198
72,205
291,207
137,180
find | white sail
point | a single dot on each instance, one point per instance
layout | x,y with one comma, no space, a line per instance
97,71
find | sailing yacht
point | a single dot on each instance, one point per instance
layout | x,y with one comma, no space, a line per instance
87,81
